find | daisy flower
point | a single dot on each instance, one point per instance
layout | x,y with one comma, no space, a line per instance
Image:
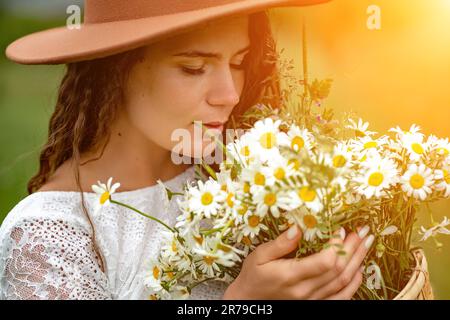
187,219
269,200
298,139
252,225
265,138
399,133
308,197
413,143
257,176
209,258
441,146
172,249
433,231
279,169
309,223
104,192
241,150
378,176
153,277
341,158
207,198
417,181
360,128
444,185
366,144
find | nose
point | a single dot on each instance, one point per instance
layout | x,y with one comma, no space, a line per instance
224,90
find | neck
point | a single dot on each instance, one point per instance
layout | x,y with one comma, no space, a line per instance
129,158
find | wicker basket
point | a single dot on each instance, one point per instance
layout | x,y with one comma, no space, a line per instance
418,286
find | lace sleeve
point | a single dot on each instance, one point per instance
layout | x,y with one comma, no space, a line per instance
50,259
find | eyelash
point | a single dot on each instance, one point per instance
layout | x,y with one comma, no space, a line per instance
196,72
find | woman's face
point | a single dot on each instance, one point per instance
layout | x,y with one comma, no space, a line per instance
196,76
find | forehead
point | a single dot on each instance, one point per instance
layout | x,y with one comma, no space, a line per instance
225,36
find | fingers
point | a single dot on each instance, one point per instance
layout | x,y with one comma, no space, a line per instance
340,281
316,264
351,243
348,292
287,242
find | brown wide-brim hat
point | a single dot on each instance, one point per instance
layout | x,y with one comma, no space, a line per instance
115,26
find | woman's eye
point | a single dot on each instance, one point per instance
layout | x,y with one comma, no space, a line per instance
193,71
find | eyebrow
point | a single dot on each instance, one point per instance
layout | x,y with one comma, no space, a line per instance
197,54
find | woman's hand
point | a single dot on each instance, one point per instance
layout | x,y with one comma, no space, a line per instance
266,274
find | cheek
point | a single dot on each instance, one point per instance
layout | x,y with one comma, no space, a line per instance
158,108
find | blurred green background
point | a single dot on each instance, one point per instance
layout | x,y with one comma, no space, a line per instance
27,96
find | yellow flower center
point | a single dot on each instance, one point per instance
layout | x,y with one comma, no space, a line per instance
155,272
280,173
170,275
245,151
417,148
307,194
359,133
246,187
447,176
207,199
443,151
417,181
223,248
104,197
153,297
339,161
260,180
364,158
295,163
174,246
253,221
246,240
268,140
242,210
270,199
370,144
297,143
198,239
230,200
224,187
310,221
209,260
375,179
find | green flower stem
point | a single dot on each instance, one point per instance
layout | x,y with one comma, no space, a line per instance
142,214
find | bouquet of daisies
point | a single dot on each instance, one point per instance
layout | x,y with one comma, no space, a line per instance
295,166
278,174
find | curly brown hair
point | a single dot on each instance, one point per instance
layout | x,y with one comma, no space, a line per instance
92,91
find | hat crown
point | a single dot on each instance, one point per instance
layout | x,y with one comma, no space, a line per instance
98,11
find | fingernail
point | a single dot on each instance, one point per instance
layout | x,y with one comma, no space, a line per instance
342,233
363,232
369,241
292,232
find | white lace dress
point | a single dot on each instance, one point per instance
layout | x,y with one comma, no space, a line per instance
46,247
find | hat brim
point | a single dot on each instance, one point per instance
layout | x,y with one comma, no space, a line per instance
92,41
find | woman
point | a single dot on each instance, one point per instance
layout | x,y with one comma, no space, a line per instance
135,74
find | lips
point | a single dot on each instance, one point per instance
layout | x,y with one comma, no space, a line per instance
215,125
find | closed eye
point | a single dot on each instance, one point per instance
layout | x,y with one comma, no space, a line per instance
200,71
